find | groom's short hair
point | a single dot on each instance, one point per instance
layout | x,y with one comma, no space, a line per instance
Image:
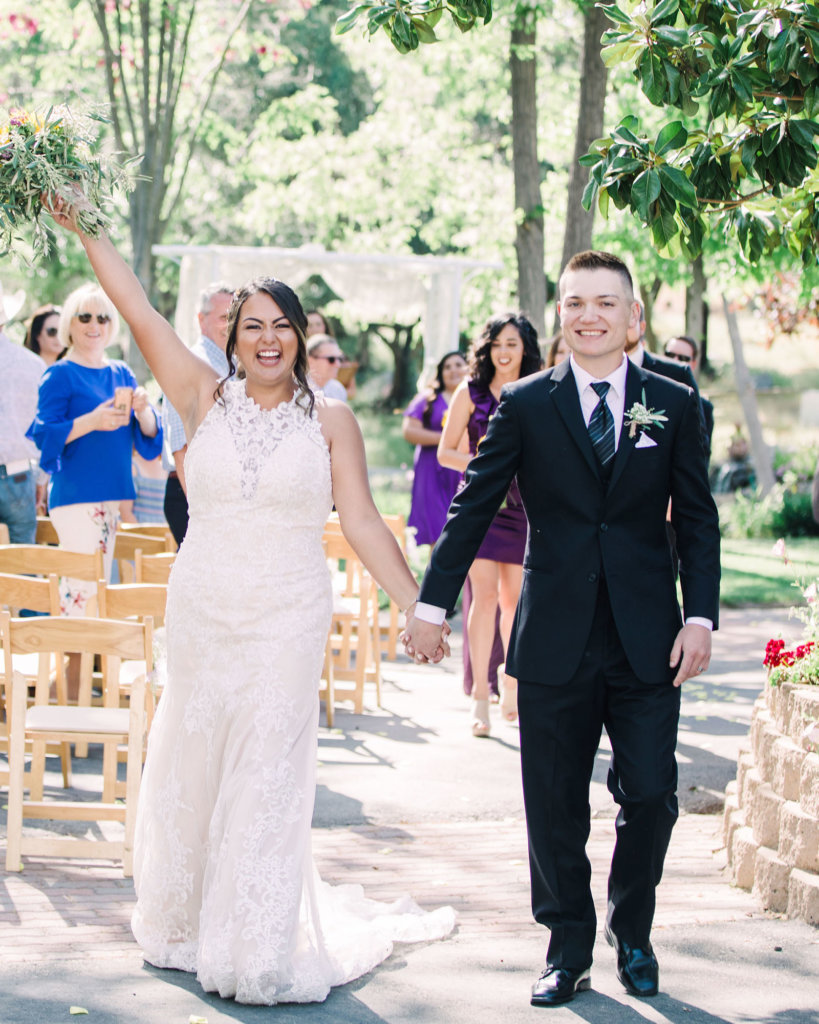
592,259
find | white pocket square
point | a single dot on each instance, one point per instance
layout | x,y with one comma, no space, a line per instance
644,441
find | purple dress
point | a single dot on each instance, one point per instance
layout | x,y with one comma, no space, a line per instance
505,540
433,485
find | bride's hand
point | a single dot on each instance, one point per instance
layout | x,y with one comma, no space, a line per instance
63,212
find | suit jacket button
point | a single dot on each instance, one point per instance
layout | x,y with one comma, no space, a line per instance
604,527
592,577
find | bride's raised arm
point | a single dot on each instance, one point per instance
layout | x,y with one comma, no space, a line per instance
187,381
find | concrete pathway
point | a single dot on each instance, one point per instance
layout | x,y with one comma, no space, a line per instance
409,801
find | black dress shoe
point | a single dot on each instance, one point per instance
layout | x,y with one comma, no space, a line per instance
558,985
637,967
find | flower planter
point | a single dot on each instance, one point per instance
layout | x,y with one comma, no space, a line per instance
771,823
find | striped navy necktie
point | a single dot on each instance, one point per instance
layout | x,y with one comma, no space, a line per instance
601,425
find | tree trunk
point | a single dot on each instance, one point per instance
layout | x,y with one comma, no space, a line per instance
577,236
649,297
528,201
695,307
760,452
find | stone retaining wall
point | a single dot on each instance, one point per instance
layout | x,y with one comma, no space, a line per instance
771,824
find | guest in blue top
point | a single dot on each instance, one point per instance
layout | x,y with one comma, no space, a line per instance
90,414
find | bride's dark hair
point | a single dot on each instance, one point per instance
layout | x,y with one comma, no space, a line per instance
288,302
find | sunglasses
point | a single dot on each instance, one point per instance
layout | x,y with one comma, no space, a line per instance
680,358
86,318
331,359
51,332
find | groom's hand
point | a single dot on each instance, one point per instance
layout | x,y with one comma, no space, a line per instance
424,641
691,651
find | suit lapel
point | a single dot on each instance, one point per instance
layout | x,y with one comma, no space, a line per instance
635,383
567,402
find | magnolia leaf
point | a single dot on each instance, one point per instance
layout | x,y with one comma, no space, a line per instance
645,190
652,77
664,9
678,186
193,1019
75,1011
672,136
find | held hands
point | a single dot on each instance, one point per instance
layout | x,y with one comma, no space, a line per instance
691,651
424,641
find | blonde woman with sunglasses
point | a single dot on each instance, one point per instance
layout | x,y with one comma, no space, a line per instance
90,413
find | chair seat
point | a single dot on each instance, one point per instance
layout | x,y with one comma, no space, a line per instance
53,718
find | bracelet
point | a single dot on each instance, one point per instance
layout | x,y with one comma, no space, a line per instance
405,610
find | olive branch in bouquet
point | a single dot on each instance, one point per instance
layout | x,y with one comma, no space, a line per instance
48,157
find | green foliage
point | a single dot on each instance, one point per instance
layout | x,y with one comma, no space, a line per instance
408,23
784,512
740,157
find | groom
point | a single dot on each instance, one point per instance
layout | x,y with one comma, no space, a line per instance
598,446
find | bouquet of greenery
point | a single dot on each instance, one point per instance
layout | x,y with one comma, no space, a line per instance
43,158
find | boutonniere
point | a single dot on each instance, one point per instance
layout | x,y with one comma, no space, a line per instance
639,415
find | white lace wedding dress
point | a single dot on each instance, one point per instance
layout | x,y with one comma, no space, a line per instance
223,865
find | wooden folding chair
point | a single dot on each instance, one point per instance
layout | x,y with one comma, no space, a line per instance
4,534
36,595
126,545
151,530
138,601
46,531
354,633
153,568
42,560
110,725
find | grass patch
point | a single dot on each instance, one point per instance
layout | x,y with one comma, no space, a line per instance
753,575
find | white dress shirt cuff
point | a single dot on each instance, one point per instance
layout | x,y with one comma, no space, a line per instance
430,613
697,621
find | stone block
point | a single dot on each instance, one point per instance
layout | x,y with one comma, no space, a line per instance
803,896
760,720
786,768
764,816
729,807
771,875
809,785
783,718
751,782
798,838
764,754
743,855
733,823
745,763
804,710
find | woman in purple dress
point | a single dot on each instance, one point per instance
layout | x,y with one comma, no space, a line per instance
506,350
433,486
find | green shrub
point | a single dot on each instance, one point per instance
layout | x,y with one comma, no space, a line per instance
784,512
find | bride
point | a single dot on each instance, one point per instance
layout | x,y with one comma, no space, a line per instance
223,871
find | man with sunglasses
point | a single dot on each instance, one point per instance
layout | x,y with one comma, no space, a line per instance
684,350
20,371
325,358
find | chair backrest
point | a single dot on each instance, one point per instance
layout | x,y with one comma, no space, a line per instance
151,530
41,560
46,531
153,568
127,542
31,592
111,639
131,600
